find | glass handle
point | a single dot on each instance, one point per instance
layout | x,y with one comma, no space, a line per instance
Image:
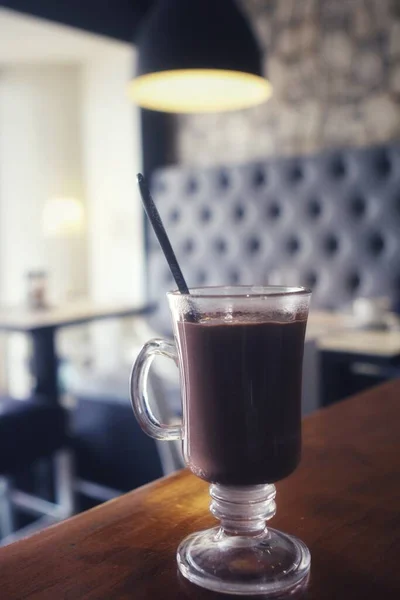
138,390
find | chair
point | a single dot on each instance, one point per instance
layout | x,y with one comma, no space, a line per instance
31,430
112,454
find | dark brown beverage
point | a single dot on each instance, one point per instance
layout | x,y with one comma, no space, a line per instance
242,394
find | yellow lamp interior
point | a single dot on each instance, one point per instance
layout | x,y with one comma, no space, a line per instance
199,90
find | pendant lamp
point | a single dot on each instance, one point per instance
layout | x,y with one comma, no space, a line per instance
197,56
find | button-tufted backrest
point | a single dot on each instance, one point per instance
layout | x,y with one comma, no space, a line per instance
330,221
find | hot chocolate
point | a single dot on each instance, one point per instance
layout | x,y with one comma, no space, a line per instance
241,385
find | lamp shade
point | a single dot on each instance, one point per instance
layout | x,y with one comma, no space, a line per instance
197,56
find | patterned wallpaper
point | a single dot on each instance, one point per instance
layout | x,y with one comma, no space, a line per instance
335,69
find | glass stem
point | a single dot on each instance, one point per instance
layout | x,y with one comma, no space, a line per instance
243,510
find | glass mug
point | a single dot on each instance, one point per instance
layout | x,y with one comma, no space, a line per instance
239,350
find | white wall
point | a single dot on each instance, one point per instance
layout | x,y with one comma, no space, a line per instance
40,157
86,76
112,157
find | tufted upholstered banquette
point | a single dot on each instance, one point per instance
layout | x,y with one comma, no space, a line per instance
331,222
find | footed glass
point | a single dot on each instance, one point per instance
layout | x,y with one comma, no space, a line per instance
239,351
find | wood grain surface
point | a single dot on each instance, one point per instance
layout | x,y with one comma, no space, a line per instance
343,501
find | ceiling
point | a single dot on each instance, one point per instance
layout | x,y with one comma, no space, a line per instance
118,19
28,40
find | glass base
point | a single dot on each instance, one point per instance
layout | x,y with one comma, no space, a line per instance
265,562
273,563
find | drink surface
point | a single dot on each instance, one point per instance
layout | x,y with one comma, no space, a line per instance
242,397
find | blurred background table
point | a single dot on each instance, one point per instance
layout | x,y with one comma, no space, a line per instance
353,359
348,358
42,326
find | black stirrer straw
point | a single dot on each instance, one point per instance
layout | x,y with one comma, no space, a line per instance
159,230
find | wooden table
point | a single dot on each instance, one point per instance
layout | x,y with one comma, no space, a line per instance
343,501
42,326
